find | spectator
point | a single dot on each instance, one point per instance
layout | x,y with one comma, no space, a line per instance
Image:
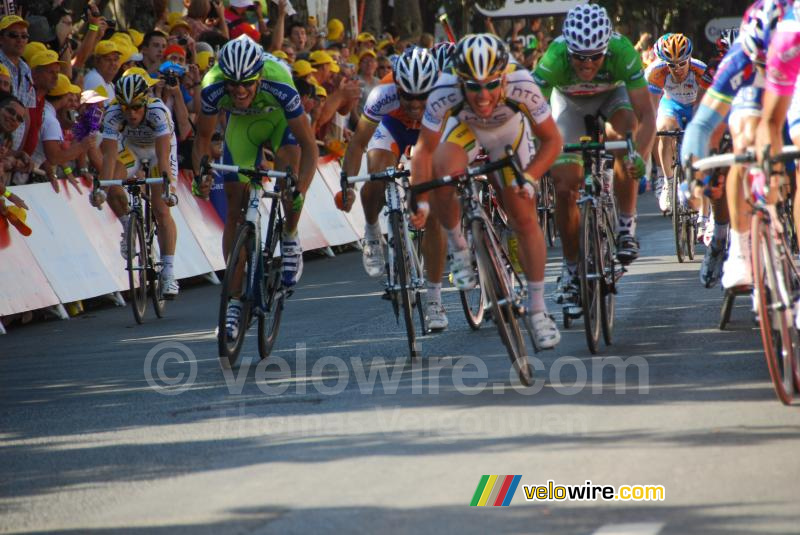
201,14
384,67
11,116
31,49
51,149
367,67
106,64
308,93
46,67
324,65
302,70
335,31
153,45
364,41
280,54
237,13
298,37
426,40
5,79
13,38
288,49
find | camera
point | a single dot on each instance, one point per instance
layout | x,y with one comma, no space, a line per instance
183,41
170,72
170,79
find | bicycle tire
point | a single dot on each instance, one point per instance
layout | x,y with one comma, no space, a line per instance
241,252
156,291
269,320
589,275
502,314
677,219
726,309
403,278
691,235
473,301
137,267
608,304
772,321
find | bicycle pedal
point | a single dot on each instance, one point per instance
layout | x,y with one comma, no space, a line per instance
573,311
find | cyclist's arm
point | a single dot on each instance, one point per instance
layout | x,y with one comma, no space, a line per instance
202,139
310,153
709,115
551,142
773,115
109,149
646,117
358,144
422,160
163,154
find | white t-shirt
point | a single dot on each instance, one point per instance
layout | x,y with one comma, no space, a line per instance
51,131
93,79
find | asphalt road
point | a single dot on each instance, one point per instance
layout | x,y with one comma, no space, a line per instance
342,434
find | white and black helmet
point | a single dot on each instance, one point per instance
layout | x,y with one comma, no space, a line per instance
415,71
587,28
130,88
480,56
444,53
241,59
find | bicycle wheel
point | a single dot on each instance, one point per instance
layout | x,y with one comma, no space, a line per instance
501,302
236,286
156,291
550,200
403,279
677,221
773,320
589,274
137,266
608,303
690,224
473,301
269,319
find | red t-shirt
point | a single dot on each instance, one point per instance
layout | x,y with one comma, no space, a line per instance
36,114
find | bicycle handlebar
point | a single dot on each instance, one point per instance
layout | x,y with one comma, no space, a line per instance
670,133
390,173
593,145
134,182
789,152
252,173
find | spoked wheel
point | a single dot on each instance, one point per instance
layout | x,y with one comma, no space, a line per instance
137,266
403,279
589,273
608,303
774,318
473,301
423,321
499,297
269,321
156,289
726,309
235,285
678,228
691,234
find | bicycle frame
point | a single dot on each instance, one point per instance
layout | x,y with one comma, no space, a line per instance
395,204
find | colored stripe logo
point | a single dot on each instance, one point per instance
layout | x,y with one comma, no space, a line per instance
495,491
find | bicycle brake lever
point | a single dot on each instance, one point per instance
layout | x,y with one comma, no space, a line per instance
515,166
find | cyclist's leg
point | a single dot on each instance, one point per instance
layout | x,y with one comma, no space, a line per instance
379,157
167,231
451,157
118,198
287,154
668,118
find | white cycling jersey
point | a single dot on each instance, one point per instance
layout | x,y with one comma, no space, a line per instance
156,123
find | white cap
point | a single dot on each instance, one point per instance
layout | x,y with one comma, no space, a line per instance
241,3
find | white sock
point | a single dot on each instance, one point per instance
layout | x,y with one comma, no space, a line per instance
627,223
455,239
536,297
372,231
737,239
286,235
434,292
166,265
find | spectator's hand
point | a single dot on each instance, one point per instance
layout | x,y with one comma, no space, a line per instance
103,26
24,162
54,181
17,201
259,10
517,27
74,181
352,89
94,16
283,5
97,198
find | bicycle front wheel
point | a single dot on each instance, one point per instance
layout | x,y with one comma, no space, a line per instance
156,290
269,321
678,228
473,301
234,286
589,273
500,299
137,266
608,303
774,318
401,269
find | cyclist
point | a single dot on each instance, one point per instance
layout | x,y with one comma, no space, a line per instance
594,70
389,125
481,104
254,90
443,53
676,81
137,127
737,88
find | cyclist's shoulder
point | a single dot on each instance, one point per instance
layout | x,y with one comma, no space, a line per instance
274,70
621,55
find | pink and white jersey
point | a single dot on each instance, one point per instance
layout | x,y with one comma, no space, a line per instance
383,100
783,57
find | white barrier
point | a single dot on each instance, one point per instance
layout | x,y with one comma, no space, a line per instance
73,252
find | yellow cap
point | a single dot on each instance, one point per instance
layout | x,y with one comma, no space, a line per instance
367,53
127,53
141,72
106,47
312,20
45,57
302,68
320,91
64,86
136,37
320,57
280,54
175,20
31,49
202,58
122,39
335,29
335,67
383,44
363,37
4,71
10,20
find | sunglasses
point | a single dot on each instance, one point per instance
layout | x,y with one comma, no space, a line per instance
14,115
583,58
243,83
475,87
132,107
411,96
15,35
677,65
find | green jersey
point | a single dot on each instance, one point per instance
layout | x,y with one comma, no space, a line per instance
621,66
